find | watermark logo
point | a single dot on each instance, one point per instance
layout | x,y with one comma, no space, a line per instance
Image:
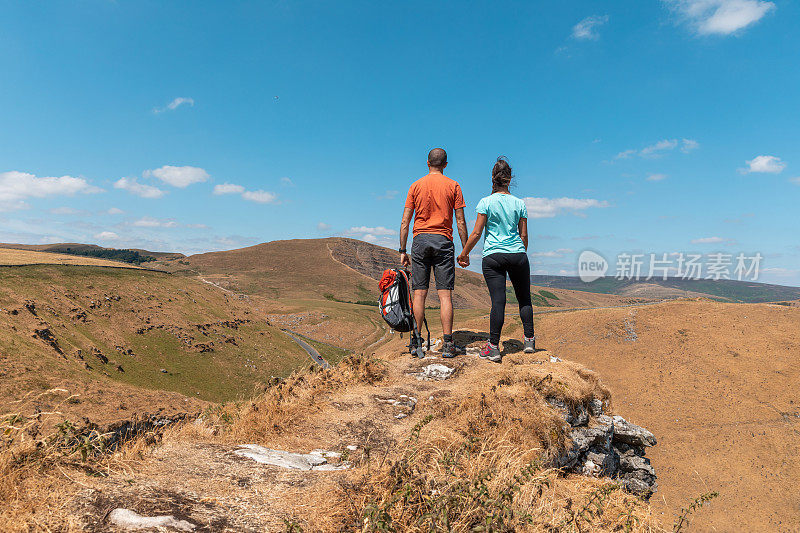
591,266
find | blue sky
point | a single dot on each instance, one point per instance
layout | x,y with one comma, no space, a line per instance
632,126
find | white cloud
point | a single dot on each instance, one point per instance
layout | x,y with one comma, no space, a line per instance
16,187
107,236
550,207
287,182
764,163
561,252
261,197
228,188
322,226
708,240
656,177
115,211
587,28
388,195
377,230
721,17
175,104
178,176
658,149
139,189
67,211
379,235
150,222
660,146
688,145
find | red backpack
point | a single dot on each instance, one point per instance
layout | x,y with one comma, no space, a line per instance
395,303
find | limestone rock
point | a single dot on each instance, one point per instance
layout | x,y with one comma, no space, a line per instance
632,434
127,519
595,407
316,460
436,372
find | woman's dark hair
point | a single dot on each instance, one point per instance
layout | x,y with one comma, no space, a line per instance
501,174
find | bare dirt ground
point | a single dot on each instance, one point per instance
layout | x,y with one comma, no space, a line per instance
718,385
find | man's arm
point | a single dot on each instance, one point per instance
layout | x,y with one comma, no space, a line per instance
480,223
408,212
461,224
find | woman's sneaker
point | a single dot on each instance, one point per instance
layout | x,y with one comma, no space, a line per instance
530,344
491,352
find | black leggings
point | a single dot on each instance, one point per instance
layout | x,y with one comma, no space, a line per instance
495,268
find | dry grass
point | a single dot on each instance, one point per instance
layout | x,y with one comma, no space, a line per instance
40,471
475,461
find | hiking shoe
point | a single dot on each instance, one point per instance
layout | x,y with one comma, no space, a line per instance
448,349
415,347
491,352
530,344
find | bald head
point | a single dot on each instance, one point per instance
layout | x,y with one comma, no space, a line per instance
437,158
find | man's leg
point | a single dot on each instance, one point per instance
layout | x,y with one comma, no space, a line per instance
420,295
446,311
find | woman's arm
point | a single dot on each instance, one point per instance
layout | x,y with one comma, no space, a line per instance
523,231
473,239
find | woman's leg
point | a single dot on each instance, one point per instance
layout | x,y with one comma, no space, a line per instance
495,276
519,271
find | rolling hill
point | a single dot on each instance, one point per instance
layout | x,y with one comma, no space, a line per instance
340,269
723,290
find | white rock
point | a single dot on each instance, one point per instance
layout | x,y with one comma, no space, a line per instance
127,519
326,453
554,359
436,371
352,447
297,461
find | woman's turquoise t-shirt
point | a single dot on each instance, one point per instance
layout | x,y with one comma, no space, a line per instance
503,212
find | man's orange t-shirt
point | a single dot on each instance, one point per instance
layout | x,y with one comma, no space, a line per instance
433,199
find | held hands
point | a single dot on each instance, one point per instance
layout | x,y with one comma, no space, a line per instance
404,260
463,260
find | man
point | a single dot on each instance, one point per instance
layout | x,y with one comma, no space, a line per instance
431,201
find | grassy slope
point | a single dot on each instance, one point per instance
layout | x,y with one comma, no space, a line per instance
179,318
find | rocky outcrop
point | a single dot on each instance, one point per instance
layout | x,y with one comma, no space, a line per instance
606,446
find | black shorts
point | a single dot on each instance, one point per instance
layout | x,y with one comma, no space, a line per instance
430,250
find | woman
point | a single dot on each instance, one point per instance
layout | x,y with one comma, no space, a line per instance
505,218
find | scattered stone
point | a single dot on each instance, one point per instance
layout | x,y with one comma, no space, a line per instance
435,371
163,370
290,460
595,407
47,336
127,519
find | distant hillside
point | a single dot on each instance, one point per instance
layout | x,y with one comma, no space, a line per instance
117,335
728,290
338,269
132,255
